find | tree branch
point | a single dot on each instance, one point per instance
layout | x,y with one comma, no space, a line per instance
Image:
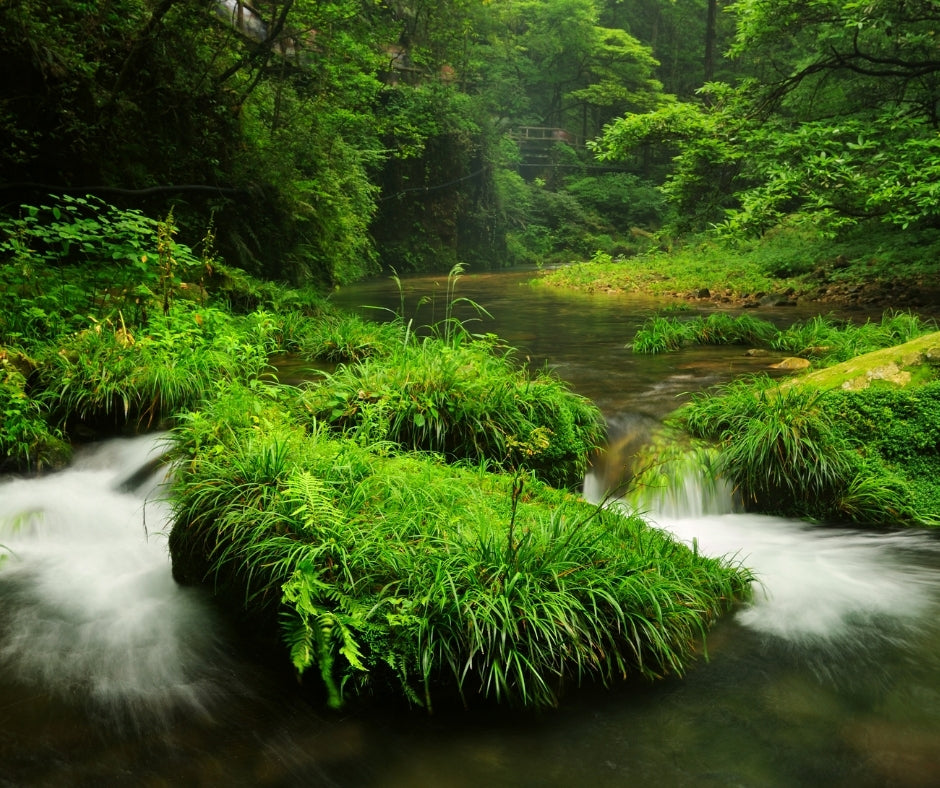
261,52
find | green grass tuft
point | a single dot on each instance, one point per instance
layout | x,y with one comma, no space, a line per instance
464,398
397,570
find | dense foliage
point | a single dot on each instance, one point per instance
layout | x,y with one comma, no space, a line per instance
390,570
328,514
831,451
834,125
323,138
466,400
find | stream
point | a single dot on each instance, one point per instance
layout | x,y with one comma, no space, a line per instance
112,675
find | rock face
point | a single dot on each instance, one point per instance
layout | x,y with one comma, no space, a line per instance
895,366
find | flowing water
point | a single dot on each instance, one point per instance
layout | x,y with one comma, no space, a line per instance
110,674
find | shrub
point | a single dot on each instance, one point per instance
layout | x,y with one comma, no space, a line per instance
823,338
342,338
870,456
80,255
834,341
622,199
464,399
896,432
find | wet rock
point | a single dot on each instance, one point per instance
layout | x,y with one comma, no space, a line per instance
791,362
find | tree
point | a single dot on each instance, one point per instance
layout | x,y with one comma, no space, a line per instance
268,128
837,126
687,37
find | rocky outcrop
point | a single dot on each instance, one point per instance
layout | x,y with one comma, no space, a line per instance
902,365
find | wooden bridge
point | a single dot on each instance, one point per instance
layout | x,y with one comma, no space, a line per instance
544,135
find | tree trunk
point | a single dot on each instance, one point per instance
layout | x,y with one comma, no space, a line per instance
711,35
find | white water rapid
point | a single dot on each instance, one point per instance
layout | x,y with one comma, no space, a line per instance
90,610
818,586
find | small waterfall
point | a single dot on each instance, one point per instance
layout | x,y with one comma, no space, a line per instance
90,611
634,471
818,585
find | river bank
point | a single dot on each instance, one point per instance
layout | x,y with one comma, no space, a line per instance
760,275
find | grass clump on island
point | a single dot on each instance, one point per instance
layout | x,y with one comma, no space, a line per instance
397,570
822,339
464,398
870,456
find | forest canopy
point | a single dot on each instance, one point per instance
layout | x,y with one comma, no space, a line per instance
321,141
833,121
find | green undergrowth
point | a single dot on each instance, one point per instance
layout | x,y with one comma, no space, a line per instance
145,375
27,439
398,570
109,324
331,513
691,270
823,339
465,398
870,456
791,261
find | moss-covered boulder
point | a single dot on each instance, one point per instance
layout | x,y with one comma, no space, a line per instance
857,441
911,363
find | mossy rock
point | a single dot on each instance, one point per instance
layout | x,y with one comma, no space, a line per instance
913,363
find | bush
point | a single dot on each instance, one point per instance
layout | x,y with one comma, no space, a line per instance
659,334
622,199
827,340
80,255
896,432
870,456
463,398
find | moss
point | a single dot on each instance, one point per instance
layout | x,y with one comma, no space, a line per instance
917,358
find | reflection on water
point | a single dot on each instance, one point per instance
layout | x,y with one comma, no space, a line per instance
111,675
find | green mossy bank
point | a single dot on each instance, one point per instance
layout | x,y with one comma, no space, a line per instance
855,441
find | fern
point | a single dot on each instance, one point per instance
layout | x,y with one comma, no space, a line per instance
314,506
316,633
